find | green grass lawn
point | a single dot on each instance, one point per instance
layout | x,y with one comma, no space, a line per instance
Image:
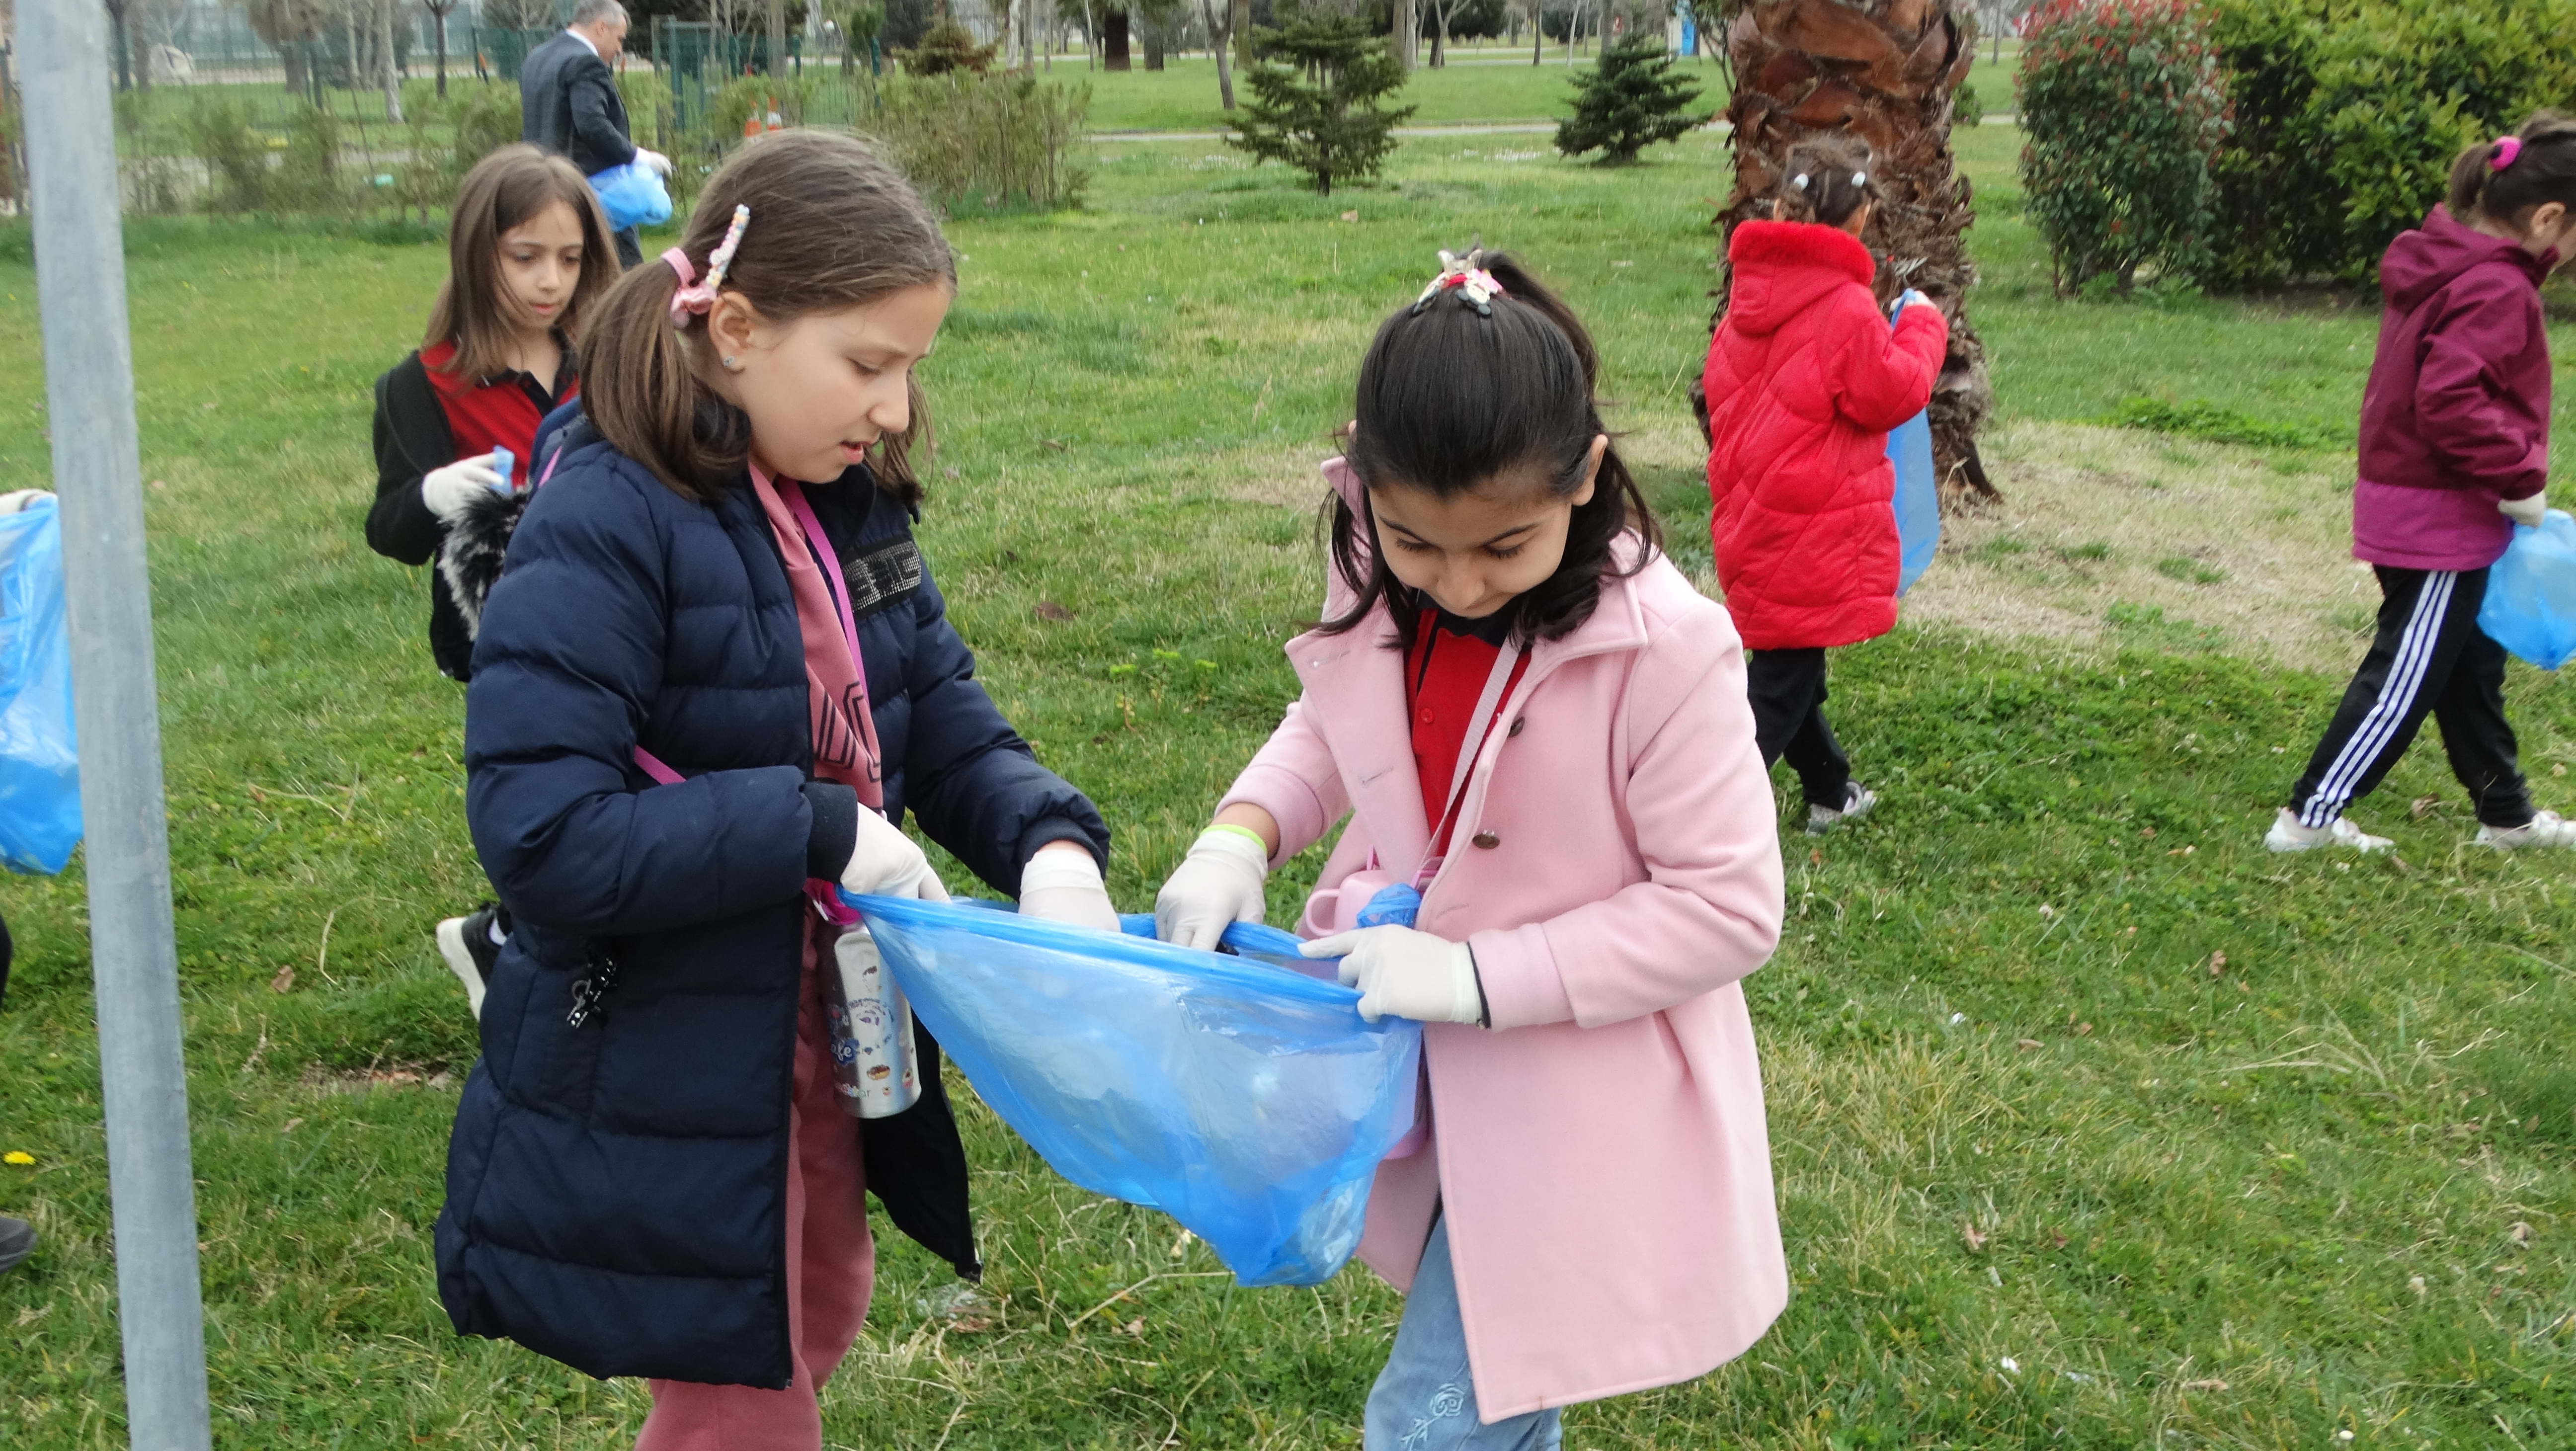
2095,1125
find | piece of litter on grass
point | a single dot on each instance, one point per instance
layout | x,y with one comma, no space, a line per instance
2521,1232
1957,1018
1972,1237
2028,1044
2343,1435
2010,1364
2204,1385
2416,1283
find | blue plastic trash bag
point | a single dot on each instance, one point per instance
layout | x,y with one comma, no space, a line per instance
632,195
1918,496
2530,608
40,817
1241,1095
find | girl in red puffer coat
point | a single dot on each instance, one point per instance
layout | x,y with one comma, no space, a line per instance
1804,380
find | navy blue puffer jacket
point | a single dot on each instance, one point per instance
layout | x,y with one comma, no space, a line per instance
616,1181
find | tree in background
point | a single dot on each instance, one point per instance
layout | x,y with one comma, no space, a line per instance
861,23
1320,111
287,26
948,46
1219,37
439,10
1882,70
1628,102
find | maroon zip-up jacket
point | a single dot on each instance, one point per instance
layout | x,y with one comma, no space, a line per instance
2456,416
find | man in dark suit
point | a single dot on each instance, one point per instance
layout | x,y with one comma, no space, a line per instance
569,105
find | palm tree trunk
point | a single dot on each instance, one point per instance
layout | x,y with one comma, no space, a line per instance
1882,70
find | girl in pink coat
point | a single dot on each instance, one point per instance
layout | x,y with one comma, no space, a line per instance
1561,857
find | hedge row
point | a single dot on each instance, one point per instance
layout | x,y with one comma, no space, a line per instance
2338,124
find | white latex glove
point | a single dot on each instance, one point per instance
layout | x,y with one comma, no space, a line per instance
1217,885
886,863
11,503
654,160
1407,973
2524,511
447,491
1064,886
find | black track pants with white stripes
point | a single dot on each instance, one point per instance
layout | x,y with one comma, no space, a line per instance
2429,656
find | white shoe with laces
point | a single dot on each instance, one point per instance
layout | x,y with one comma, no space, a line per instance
2288,835
1857,801
2545,828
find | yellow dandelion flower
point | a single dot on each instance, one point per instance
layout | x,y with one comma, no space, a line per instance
19,1157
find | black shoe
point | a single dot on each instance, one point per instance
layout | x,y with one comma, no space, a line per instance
17,1241
466,943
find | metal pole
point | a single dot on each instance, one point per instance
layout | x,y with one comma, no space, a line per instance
89,392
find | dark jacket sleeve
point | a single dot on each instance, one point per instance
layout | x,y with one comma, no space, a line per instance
411,439
598,115
566,668
2488,316
974,783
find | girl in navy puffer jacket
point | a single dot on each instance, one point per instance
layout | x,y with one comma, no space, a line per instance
649,1173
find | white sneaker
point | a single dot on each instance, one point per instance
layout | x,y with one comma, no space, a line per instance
1857,801
2546,828
2288,835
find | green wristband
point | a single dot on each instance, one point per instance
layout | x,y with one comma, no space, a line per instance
1246,832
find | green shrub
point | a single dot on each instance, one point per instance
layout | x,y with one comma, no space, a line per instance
986,142
309,177
1967,108
236,157
2347,114
1320,112
1629,101
2122,104
2408,83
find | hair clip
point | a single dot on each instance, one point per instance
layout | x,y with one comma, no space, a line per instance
700,298
1468,275
1860,178
2506,150
1799,181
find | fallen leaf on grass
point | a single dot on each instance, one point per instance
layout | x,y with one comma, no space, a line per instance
2204,1385
1050,610
1350,216
2521,1232
1970,1236
2182,851
284,981
2056,1238
2217,964
1057,444
2423,806
2028,1045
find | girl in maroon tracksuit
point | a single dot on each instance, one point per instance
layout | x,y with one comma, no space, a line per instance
2454,451
1804,380
528,253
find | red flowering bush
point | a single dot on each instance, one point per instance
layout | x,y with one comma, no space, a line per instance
2125,109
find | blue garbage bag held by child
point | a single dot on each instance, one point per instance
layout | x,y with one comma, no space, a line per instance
1240,1094
2530,605
1918,493
40,815
632,195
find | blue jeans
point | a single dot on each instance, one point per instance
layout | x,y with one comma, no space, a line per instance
1424,1400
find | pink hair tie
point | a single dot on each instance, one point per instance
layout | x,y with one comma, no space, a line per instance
700,297
2506,150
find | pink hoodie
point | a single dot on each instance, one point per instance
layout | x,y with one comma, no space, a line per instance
2456,416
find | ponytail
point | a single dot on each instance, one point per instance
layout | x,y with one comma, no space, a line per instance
645,396
2503,179
832,225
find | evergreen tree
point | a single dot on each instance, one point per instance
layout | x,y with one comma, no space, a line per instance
1320,112
1630,100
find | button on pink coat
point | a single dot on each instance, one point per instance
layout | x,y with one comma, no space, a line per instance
1601,1153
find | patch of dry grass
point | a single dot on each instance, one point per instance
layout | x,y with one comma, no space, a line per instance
2243,553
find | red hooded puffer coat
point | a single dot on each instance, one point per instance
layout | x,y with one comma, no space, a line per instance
1804,380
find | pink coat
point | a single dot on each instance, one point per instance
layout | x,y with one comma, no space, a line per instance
1601,1155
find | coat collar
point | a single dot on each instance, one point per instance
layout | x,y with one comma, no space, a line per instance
1355,687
